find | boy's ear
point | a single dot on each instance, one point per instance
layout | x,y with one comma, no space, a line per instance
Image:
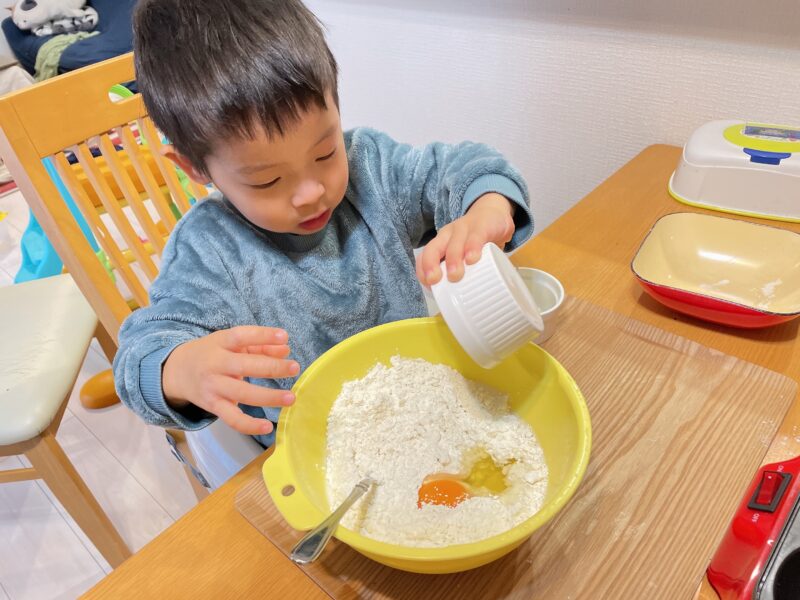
181,161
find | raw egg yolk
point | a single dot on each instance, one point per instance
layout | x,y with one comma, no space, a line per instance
444,492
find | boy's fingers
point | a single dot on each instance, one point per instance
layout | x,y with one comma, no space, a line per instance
243,336
455,254
238,364
241,392
472,249
432,255
273,351
233,416
420,272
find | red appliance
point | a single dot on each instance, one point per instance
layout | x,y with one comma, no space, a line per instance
759,557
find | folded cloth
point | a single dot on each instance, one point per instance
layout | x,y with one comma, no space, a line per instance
49,54
85,21
14,78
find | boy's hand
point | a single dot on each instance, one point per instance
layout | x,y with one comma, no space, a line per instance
489,219
208,372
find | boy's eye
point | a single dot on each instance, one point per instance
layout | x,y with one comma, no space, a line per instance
327,156
263,186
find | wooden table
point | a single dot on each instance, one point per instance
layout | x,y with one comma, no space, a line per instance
212,552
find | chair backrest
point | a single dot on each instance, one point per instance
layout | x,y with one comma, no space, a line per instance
108,155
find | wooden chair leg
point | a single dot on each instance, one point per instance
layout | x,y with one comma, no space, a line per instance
106,342
53,466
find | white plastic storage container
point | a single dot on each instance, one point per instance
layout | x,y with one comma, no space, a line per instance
742,168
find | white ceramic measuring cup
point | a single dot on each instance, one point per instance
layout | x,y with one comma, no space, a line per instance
490,311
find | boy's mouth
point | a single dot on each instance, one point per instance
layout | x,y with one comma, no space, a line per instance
316,223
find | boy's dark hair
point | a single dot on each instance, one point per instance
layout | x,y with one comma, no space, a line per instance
211,70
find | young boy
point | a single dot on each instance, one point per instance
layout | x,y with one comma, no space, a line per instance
311,239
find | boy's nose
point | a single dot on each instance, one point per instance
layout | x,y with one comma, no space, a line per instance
308,192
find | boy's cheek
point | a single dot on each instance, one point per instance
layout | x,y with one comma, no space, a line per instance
343,171
336,184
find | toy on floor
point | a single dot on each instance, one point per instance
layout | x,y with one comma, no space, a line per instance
39,258
54,17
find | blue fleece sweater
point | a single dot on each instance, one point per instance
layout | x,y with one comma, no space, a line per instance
219,270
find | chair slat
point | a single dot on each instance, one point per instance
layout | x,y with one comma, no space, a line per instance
198,191
120,173
114,210
148,130
99,229
146,177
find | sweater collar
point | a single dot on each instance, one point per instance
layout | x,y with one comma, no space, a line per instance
290,242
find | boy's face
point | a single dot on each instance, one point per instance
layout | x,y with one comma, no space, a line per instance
287,184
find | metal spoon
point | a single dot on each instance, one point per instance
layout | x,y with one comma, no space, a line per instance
311,546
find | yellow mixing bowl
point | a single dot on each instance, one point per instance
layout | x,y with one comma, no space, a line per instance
540,391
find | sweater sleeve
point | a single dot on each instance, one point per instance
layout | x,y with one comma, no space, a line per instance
192,297
428,187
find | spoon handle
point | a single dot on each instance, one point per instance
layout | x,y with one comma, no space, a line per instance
313,543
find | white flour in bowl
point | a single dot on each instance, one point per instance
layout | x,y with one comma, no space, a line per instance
401,423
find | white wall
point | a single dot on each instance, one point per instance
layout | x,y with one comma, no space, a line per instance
5,11
569,89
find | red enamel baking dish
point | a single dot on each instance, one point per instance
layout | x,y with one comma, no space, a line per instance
722,270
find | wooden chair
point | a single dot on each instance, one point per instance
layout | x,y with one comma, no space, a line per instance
108,154
66,117
47,327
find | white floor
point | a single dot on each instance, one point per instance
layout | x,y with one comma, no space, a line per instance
125,463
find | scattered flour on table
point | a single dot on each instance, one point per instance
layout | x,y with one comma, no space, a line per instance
401,423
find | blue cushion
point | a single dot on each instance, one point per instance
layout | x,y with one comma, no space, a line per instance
23,44
115,38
